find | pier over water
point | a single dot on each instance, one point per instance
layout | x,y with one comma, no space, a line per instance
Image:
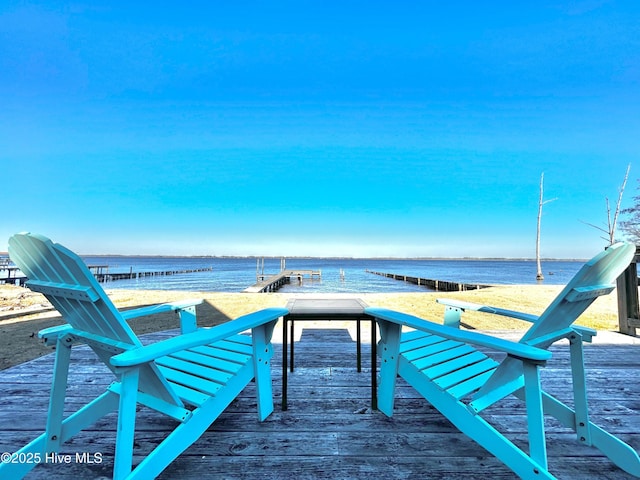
101,272
273,282
14,276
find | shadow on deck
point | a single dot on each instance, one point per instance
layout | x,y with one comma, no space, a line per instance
329,430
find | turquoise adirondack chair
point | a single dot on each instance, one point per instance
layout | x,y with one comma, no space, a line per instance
445,366
191,377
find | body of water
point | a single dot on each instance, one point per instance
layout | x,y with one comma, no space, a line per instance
338,275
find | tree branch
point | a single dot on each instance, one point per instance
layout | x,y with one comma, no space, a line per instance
612,225
612,222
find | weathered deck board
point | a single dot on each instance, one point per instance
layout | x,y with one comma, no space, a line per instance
329,430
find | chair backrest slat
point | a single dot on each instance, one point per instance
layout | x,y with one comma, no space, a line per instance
597,277
75,292
72,289
54,267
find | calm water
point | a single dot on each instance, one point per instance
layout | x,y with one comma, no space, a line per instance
338,275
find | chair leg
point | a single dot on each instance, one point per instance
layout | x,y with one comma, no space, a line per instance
452,316
389,357
535,414
578,420
262,353
202,417
126,423
188,320
618,451
474,426
87,415
192,429
579,379
58,394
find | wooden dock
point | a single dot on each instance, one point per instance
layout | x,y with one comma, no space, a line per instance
101,272
437,285
272,283
11,276
329,431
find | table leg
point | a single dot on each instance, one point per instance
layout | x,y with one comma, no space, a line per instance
284,363
358,346
292,336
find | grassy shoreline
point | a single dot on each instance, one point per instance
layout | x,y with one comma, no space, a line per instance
24,313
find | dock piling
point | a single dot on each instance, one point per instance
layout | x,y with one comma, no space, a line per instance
437,285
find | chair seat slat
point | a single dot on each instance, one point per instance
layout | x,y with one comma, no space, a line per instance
465,373
222,354
195,382
205,360
211,373
469,386
237,343
413,334
189,395
414,349
454,363
421,356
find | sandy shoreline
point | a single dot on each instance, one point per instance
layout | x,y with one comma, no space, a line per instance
24,313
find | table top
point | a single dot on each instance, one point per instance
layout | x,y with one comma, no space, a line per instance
322,306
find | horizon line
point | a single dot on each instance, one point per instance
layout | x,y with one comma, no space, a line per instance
339,257
330,257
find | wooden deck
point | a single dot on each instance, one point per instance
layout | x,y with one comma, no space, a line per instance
329,431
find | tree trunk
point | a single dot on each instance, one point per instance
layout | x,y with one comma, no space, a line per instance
539,275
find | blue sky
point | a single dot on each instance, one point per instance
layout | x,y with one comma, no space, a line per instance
317,128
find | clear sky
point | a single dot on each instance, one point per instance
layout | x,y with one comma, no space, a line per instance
351,128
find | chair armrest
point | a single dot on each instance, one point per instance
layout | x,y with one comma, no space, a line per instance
198,338
586,333
160,308
184,308
486,309
519,350
50,335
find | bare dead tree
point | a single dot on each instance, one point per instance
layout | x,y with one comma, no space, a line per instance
539,275
612,221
